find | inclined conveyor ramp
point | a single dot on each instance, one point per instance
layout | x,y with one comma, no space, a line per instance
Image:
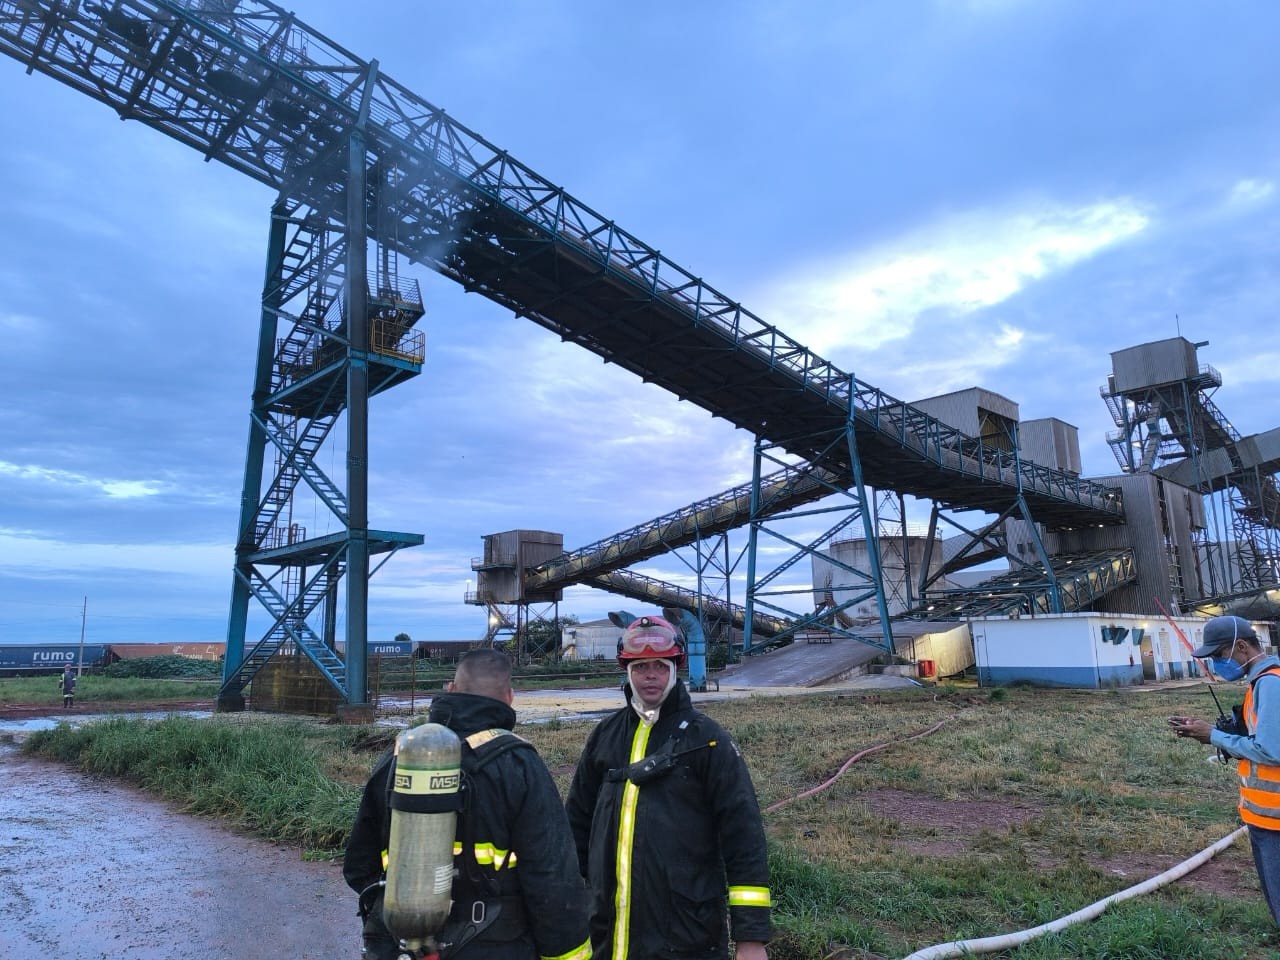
255,88
274,98
1082,578
1247,464
780,491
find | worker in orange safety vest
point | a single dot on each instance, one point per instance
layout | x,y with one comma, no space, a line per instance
1235,653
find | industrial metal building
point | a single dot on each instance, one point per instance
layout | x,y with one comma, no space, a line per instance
370,178
1198,538
1088,649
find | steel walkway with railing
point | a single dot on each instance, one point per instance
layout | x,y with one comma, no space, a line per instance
1081,579
251,86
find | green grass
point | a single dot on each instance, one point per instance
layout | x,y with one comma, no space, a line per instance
94,688
1026,805
275,779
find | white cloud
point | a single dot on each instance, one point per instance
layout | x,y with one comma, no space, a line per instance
1259,367
114,489
965,362
955,266
40,556
1250,193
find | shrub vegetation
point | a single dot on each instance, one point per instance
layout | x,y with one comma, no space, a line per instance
1021,808
167,667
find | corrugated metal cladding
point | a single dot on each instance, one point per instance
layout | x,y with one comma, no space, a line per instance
511,553
1153,364
1051,442
961,408
1261,450
1158,568
1210,467
1202,469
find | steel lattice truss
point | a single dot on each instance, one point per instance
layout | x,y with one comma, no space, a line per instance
249,85
1177,431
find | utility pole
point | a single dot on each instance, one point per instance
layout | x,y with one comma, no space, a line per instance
84,609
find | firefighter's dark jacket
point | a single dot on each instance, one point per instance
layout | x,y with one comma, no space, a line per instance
697,837
517,824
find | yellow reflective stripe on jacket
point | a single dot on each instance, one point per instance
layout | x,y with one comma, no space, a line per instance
489,855
750,897
626,842
386,859
582,952
1259,782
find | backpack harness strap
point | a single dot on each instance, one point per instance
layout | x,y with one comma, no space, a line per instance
480,905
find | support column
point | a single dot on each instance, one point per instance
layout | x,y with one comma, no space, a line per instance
357,269
255,453
868,524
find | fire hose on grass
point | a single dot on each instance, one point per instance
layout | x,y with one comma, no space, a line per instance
850,762
1007,941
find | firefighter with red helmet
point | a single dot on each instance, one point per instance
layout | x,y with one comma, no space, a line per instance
666,822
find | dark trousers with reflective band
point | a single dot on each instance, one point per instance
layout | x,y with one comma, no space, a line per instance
1266,857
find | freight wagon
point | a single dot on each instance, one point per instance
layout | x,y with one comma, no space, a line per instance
35,658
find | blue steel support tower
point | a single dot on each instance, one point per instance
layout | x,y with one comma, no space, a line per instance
356,158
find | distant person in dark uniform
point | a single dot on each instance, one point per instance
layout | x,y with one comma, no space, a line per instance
67,684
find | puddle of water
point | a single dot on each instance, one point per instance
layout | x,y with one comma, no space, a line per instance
32,724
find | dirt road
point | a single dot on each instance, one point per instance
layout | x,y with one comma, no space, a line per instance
91,870
96,870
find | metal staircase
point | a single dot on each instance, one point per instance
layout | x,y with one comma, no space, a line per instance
291,604
354,158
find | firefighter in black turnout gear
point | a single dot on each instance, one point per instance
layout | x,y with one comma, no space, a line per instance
666,822
517,891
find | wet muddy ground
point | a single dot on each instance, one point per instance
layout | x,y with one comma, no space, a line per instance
92,869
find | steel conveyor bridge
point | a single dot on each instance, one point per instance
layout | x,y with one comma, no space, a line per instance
1080,579
251,86
265,94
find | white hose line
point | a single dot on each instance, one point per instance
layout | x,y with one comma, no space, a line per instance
963,948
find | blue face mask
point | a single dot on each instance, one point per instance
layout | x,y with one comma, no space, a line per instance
1227,669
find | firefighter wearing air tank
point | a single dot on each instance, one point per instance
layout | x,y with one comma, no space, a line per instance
1236,653
476,866
665,819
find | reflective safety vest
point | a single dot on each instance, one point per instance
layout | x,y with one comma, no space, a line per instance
1259,782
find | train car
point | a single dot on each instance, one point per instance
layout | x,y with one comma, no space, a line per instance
390,648
419,649
444,650
31,659
194,651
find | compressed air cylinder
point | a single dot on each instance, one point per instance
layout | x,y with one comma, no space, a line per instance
424,804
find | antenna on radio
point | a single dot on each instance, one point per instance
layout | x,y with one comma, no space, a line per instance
1221,714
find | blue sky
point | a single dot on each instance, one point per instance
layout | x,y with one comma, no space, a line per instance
933,195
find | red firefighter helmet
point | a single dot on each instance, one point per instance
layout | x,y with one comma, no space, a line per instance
651,638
